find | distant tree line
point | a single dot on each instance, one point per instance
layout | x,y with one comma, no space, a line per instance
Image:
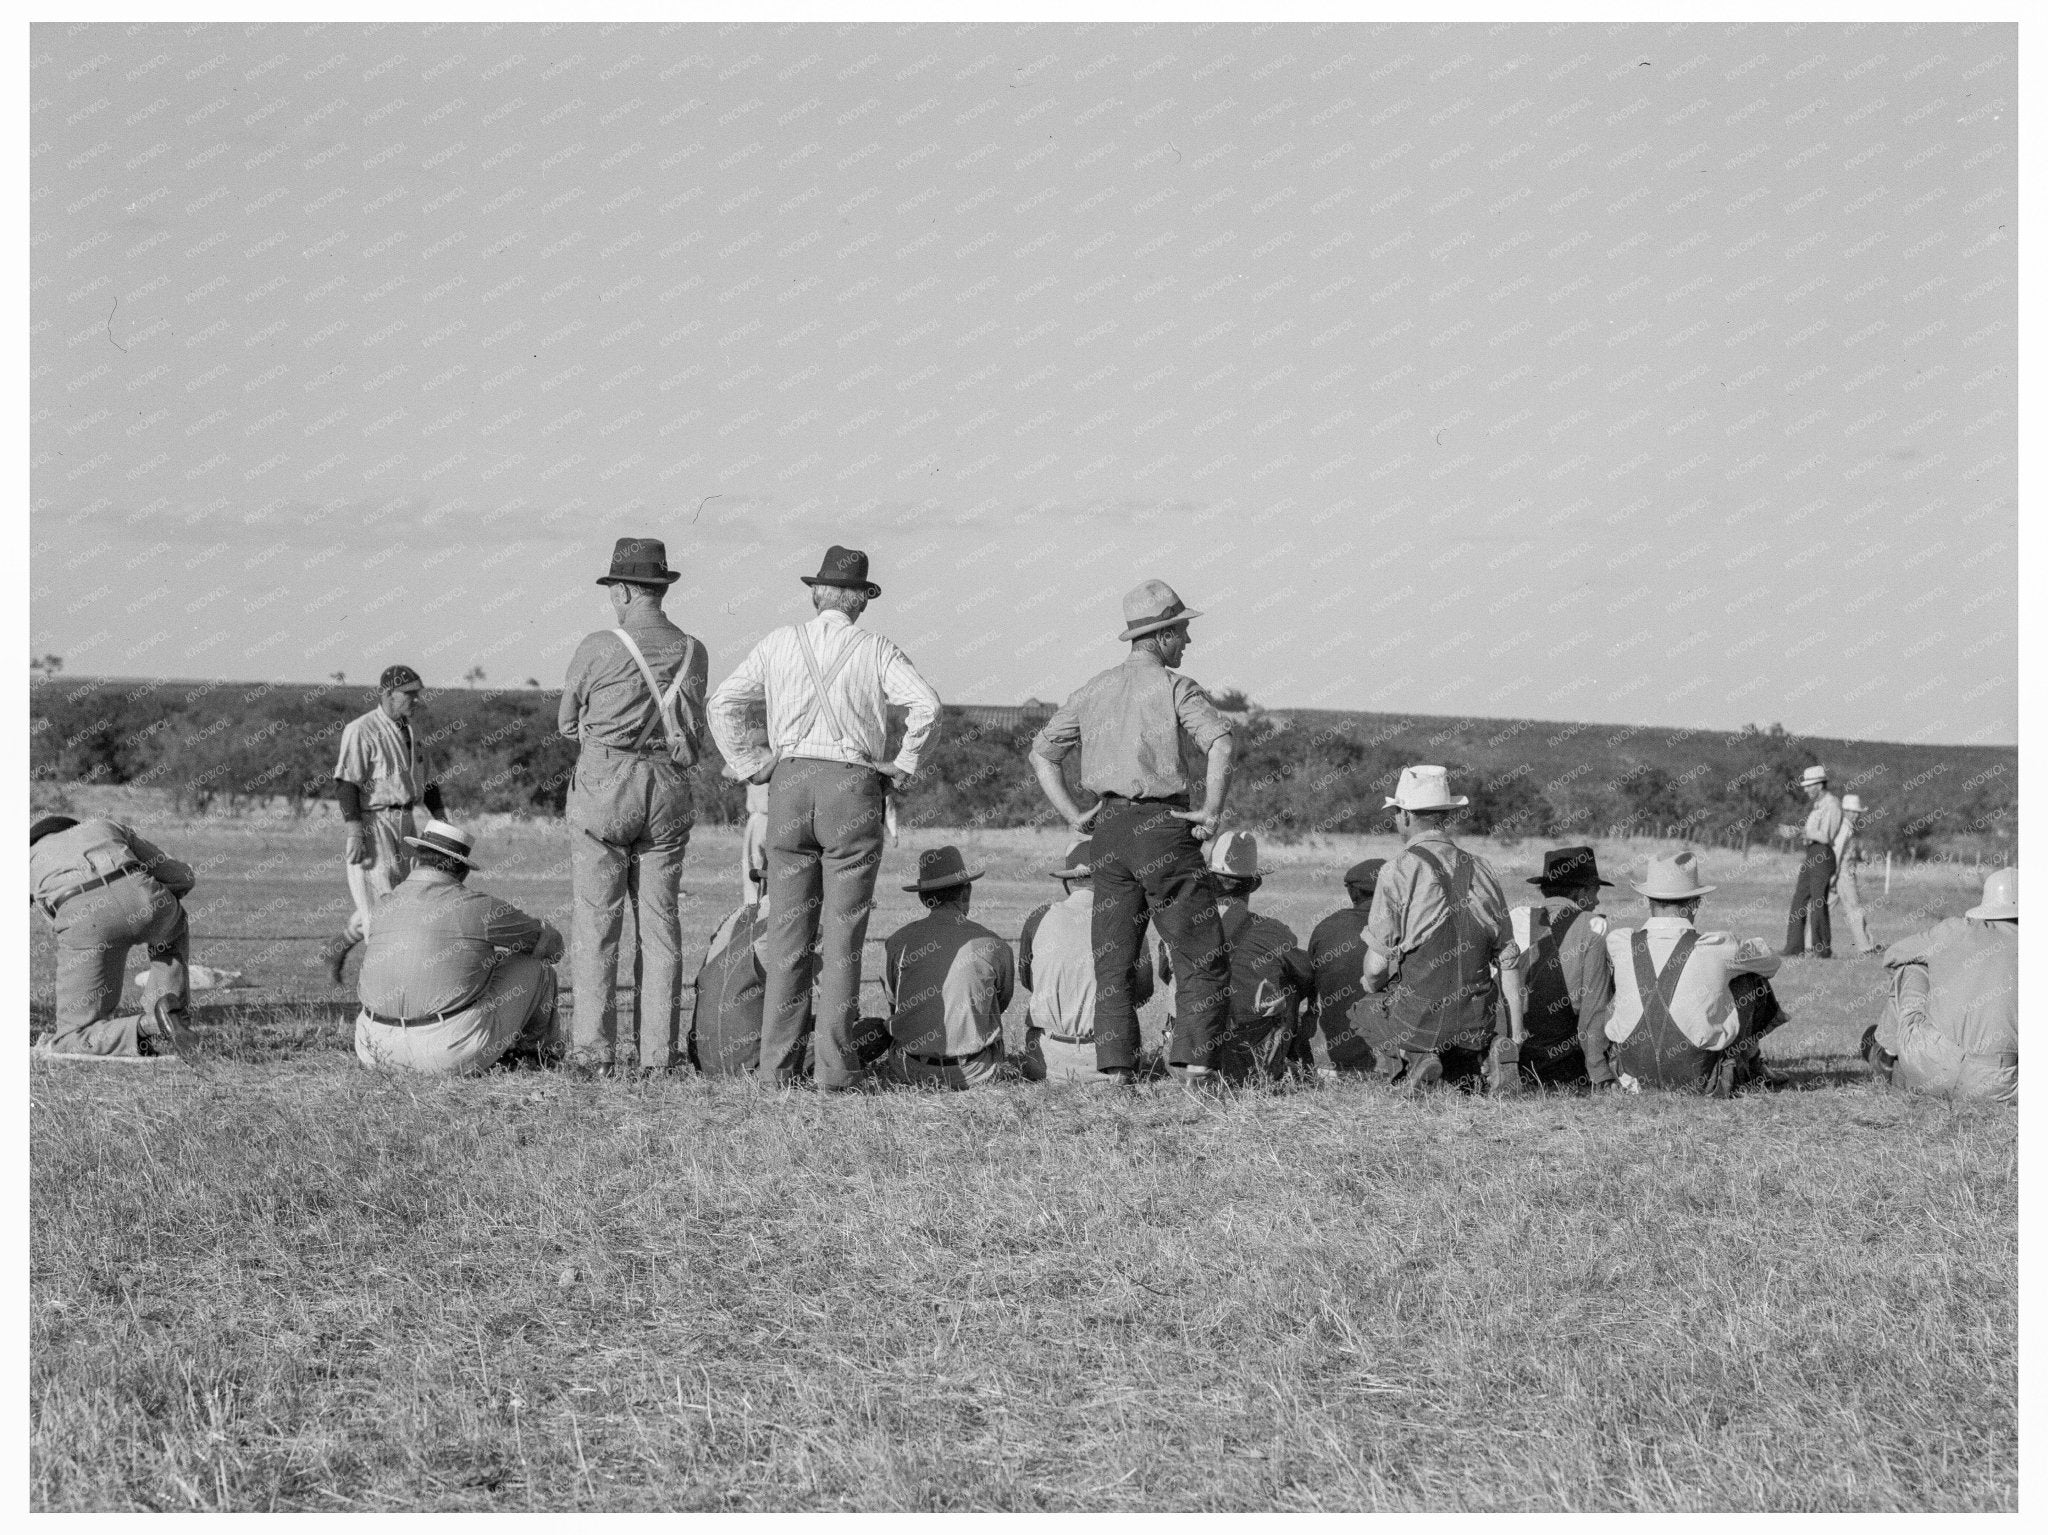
228,744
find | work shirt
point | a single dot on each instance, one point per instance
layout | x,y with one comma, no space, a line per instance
725,1019
1564,1007
1824,820
1960,1038
384,759
1410,902
1137,726
1702,1007
604,697
432,943
1056,964
1336,953
947,980
66,859
875,674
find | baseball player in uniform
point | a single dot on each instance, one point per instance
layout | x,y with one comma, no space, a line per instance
380,778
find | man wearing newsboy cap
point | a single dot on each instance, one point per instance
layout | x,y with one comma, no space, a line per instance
1136,726
827,686
633,702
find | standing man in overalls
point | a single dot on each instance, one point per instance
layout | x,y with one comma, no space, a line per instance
380,778
827,685
633,702
1136,725
1438,932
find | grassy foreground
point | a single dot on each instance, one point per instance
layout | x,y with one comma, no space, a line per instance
300,1285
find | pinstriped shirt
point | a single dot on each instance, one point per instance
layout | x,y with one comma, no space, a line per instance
876,674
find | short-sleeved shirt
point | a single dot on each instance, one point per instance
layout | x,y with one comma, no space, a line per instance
1056,964
1824,819
66,859
947,979
1703,1007
1966,1042
605,700
1136,726
432,943
384,758
1410,902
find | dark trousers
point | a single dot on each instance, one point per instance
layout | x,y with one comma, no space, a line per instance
1810,903
1148,863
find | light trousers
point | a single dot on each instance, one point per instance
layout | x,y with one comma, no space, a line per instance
94,934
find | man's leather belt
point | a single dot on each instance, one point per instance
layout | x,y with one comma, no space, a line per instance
948,1060
50,906
426,1018
1149,799
406,805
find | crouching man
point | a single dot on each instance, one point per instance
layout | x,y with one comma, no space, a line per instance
1689,1007
1952,1028
105,889
947,980
454,980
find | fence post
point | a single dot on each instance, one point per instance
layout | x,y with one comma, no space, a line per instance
1887,873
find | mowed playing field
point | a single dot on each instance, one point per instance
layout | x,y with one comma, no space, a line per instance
298,1284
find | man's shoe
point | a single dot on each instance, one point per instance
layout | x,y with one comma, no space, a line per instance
1421,1075
167,1026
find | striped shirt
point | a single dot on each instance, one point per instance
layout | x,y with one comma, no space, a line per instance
382,757
874,675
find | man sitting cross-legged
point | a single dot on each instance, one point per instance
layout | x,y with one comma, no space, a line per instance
1953,1026
1056,964
1568,979
1689,1007
947,980
454,980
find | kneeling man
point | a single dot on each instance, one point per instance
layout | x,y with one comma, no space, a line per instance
1953,1026
1688,1006
454,979
947,980
105,889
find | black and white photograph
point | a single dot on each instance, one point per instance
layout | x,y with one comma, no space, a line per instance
1193,762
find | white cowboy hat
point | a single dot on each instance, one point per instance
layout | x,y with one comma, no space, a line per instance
1675,878
1236,854
1424,788
452,841
1851,804
2001,898
1814,774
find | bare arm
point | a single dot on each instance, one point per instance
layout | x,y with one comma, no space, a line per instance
1054,783
1222,753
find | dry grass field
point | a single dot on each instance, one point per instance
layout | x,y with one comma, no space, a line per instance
298,1285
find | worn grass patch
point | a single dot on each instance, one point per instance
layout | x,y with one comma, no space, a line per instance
301,1285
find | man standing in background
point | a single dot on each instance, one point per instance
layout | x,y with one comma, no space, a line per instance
380,778
1135,726
1816,869
1848,854
633,702
827,686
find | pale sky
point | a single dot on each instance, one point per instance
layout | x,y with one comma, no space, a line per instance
1648,374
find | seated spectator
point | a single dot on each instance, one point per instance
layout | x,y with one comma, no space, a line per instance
1689,1007
1952,1027
947,979
725,1017
454,980
1566,975
1056,964
1271,980
1336,952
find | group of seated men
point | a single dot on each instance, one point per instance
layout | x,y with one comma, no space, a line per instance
1426,976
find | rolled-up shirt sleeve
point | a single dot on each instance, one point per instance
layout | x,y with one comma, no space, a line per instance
1383,924
1201,721
902,685
174,874
1058,736
507,927
569,716
727,713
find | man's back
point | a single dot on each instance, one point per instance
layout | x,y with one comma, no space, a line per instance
1969,1044
948,979
725,1026
1703,1006
605,698
1336,952
1270,979
432,943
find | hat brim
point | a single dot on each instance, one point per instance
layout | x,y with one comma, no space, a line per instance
1154,625
946,881
1078,871
1993,913
661,580
1673,895
445,852
1538,879
1457,802
873,591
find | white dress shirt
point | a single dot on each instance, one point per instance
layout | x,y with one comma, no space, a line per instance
876,674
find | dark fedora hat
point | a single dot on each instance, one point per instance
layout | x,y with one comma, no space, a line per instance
641,561
941,868
1569,866
844,567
